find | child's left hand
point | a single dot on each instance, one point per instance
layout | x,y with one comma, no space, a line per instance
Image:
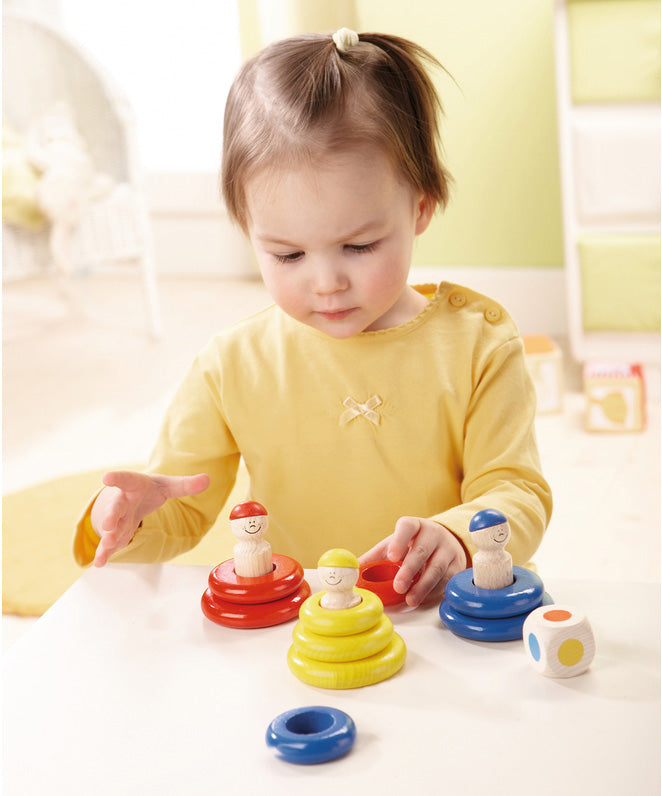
425,548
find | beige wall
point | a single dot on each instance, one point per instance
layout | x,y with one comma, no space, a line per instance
499,132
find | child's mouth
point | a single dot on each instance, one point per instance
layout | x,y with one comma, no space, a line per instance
338,315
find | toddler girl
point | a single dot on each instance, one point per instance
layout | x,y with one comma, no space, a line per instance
371,414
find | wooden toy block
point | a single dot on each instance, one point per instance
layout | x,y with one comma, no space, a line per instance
615,397
345,641
311,734
545,362
491,600
272,592
558,641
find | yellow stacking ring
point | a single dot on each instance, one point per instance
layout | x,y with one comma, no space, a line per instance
343,621
351,674
343,648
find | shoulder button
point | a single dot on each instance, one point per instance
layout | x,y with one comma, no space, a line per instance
492,314
457,299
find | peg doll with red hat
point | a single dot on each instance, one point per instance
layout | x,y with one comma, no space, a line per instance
252,553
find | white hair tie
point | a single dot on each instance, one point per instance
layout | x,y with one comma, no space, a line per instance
345,38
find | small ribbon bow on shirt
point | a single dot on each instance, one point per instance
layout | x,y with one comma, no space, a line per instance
367,410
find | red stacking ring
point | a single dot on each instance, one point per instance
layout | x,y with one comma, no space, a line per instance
226,585
377,577
245,615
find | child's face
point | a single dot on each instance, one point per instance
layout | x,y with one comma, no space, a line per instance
334,241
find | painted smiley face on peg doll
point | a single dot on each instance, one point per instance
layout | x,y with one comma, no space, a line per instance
338,571
252,554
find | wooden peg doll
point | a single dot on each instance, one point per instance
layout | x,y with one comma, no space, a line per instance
492,564
338,571
252,553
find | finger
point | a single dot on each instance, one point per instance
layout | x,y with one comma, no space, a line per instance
377,553
101,556
439,571
114,511
432,581
126,480
419,547
175,486
405,530
120,535
114,540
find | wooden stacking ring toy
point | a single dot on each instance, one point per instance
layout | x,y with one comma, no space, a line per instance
344,621
346,647
227,585
378,577
522,596
491,614
311,734
330,648
243,602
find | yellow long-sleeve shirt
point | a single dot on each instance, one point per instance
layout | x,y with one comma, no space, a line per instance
433,418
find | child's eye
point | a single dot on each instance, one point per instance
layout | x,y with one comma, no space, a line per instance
288,258
364,248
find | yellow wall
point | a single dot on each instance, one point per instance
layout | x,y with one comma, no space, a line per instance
499,133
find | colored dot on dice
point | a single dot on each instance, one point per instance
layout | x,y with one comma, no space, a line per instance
557,615
571,652
534,647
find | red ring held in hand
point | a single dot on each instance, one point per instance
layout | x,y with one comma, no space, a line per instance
377,577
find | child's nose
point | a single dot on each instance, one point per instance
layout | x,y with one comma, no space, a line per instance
329,278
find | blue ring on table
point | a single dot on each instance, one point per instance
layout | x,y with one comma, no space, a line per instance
311,734
522,596
506,628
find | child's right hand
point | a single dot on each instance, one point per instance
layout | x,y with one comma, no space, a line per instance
128,498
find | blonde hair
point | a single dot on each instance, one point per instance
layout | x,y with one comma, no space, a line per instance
302,97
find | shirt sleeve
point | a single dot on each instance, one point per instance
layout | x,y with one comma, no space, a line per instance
501,464
194,438
86,540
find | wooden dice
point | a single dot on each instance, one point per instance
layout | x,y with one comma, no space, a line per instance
558,640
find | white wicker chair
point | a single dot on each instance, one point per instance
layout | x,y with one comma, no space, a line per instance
42,66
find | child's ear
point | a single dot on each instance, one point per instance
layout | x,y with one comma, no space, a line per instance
424,212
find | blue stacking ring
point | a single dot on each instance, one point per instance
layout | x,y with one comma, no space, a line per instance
521,597
507,628
311,734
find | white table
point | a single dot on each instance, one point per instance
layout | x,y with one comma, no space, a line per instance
124,687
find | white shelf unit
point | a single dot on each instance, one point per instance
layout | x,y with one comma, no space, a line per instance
610,181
